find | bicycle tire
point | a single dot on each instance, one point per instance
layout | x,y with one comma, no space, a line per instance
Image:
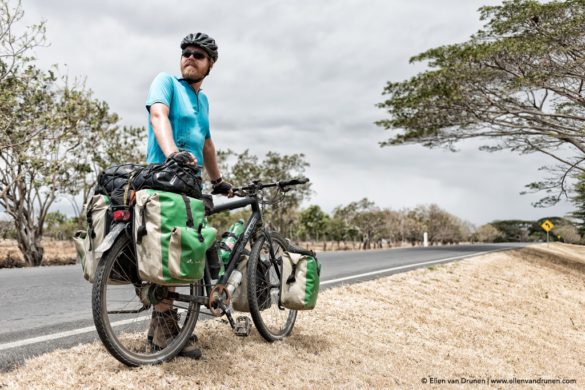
272,322
131,347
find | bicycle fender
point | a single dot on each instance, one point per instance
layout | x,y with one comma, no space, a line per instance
110,238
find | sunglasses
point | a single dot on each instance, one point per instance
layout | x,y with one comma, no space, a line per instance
198,55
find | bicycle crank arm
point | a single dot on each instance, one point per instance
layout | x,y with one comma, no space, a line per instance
241,326
143,308
186,298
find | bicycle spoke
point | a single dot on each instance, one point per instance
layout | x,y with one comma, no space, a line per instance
271,321
123,321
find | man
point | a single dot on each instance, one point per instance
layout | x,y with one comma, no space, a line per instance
179,125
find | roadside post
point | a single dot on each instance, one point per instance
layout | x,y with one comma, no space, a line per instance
547,227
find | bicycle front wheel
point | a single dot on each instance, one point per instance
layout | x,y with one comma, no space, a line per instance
264,281
124,316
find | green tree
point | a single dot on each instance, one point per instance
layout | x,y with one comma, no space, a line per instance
342,215
364,220
444,227
55,135
488,233
393,220
412,226
518,82
59,227
7,230
103,143
564,225
314,222
567,233
241,169
16,42
222,221
338,230
33,174
578,200
514,230
54,219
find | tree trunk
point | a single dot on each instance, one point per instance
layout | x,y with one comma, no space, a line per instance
366,244
29,243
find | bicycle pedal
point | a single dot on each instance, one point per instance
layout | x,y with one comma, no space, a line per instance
243,326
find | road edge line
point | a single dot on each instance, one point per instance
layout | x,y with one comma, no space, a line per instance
74,332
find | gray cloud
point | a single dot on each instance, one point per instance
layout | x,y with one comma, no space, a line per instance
294,77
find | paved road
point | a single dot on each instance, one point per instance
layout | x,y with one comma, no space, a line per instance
46,308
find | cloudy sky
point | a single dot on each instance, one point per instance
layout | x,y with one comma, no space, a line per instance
299,76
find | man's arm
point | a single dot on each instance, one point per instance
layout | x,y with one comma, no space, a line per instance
161,125
210,160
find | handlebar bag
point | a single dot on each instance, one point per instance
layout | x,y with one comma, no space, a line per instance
171,236
300,281
98,222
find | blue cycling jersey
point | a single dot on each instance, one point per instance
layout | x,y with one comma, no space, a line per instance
188,114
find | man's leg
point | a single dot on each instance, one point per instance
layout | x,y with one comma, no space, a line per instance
164,325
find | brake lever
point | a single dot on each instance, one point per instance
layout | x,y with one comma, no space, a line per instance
239,192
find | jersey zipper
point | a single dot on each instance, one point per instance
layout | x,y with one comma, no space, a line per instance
197,99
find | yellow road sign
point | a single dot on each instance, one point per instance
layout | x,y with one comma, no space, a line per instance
547,225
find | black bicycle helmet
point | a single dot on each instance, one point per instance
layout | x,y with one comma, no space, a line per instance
203,41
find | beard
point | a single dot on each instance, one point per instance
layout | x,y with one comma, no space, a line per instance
193,72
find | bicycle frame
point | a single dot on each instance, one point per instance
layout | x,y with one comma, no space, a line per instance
253,224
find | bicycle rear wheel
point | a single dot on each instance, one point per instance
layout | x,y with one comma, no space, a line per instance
123,319
264,282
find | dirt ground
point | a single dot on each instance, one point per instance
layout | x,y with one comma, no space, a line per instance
515,316
56,253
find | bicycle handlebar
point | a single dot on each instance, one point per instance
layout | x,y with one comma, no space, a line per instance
293,182
257,185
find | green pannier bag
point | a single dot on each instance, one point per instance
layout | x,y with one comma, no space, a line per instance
300,287
96,213
171,236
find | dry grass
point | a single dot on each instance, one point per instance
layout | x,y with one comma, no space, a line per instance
56,253
505,315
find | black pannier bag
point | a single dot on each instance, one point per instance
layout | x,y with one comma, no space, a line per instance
115,177
171,176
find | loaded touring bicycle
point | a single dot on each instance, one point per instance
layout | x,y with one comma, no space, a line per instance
159,249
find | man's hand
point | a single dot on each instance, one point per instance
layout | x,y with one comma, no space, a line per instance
221,187
184,157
